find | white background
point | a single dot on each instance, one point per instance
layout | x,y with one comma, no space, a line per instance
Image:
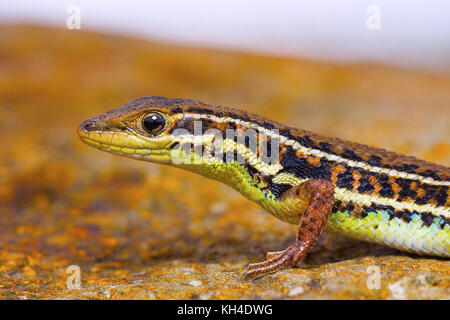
413,33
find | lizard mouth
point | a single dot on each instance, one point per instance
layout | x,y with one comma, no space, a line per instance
122,143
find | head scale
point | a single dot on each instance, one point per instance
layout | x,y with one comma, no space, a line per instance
142,129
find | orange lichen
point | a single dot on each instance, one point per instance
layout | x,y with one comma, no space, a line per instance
139,230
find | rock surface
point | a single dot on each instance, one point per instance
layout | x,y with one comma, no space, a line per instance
141,231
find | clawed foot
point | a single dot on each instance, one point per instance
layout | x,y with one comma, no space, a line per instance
319,193
277,260
274,254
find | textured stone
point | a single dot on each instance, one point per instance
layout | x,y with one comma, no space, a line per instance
142,231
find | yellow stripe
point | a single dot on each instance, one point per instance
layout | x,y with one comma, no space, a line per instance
367,200
340,193
101,140
310,151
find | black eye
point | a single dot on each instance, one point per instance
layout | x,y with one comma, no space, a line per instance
154,123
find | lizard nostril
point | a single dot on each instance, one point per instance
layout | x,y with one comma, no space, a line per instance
89,125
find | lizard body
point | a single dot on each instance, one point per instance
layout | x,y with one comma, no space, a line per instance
316,182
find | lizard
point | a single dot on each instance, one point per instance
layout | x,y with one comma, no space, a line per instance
315,182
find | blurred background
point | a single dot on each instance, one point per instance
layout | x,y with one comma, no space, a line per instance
409,33
375,72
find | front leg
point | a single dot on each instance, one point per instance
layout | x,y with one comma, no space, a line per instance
319,194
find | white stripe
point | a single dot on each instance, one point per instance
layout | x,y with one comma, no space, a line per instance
367,199
340,193
297,146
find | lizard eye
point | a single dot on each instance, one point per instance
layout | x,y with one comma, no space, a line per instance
154,123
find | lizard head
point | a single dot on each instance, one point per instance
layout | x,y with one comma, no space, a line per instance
217,142
149,128
185,133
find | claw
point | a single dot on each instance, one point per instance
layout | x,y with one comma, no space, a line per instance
279,260
274,254
269,266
